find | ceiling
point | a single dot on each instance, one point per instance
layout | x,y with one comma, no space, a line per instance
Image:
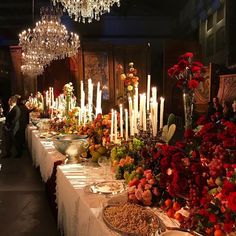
17,15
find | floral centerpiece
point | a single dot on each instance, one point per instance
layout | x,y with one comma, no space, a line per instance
188,74
130,79
198,172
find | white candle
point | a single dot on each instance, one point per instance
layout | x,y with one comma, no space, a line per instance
144,113
98,98
148,91
121,121
81,95
141,111
52,96
161,112
132,124
154,94
112,125
126,125
115,127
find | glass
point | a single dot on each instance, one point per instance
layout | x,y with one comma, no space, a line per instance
105,164
188,99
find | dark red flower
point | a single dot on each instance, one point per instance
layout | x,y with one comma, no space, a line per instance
198,64
183,64
229,143
202,120
228,227
187,55
193,84
212,218
228,187
232,201
180,144
196,167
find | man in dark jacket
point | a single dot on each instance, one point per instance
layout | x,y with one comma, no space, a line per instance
23,121
12,126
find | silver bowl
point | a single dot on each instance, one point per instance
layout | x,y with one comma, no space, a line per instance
71,145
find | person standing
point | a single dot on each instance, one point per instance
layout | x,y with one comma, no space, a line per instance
12,126
23,122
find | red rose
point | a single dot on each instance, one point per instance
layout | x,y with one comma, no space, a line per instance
203,201
196,167
212,218
201,120
232,201
228,187
192,84
164,163
195,69
180,144
183,64
229,143
228,227
187,55
197,63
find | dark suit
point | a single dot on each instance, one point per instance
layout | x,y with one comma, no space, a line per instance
23,121
12,126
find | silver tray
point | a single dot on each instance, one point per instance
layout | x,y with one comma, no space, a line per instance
107,187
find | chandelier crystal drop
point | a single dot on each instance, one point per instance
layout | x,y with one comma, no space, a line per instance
48,41
86,10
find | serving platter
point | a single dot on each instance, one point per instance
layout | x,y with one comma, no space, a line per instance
107,187
131,219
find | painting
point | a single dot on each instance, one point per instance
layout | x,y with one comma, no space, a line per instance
227,88
203,92
96,67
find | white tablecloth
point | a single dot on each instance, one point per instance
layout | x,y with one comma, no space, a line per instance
80,212
43,152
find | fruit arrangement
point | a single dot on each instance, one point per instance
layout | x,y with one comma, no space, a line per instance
125,158
143,188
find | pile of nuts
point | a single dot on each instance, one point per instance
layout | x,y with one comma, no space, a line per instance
131,218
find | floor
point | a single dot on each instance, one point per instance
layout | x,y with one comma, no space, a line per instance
24,207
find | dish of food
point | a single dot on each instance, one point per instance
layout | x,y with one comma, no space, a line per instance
131,219
176,233
107,187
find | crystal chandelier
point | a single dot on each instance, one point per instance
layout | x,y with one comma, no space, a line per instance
48,41
82,10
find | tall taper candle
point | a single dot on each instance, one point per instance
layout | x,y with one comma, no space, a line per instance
148,91
161,112
121,121
112,125
115,127
126,125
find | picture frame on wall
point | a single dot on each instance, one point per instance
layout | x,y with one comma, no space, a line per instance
203,92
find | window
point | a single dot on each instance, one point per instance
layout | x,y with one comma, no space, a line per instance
220,14
220,39
209,22
210,45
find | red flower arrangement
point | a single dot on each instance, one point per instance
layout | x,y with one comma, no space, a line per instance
201,170
188,72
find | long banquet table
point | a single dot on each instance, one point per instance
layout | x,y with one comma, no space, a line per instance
44,155
79,210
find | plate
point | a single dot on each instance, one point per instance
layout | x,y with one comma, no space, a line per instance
131,219
107,187
176,233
